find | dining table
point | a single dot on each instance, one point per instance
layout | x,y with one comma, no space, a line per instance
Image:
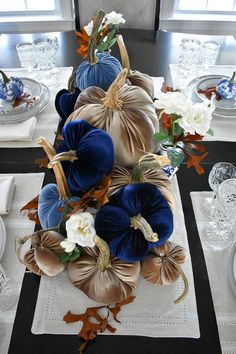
150,52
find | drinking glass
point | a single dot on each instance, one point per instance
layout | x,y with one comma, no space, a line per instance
208,53
220,172
9,292
188,53
26,55
45,56
218,233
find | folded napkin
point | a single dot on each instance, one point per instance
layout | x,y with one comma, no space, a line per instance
22,131
7,187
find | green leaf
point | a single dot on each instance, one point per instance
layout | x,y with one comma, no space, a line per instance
178,130
64,257
176,156
210,132
161,136
75,255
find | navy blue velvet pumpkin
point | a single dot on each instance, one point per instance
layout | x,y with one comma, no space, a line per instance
113,221
49,203
101,74
94,152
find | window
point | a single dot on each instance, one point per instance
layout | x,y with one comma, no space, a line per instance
205,6
34,15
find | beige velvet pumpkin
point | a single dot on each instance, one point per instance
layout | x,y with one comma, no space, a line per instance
148,169
134,77
103,278
125,112
43,257
163,266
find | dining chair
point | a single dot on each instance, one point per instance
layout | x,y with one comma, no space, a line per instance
139,14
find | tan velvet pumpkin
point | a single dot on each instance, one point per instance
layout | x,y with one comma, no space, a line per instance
43,257
125,112
134,77
163,266
103,278
148,169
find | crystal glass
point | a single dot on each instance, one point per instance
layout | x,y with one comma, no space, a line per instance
26,55
188,53
9,292
208,53
45,54
220,172
218,233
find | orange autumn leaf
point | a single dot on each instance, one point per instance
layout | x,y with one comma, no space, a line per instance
194,161
166,121
83,40
191,137
32,207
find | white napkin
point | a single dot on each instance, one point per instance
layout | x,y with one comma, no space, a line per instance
22,131
7,187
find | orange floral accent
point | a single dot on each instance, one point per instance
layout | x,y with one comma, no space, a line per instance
194,161
166,121
83,40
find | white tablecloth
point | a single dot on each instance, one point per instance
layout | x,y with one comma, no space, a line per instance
153,313
217,267
17,225
224,128
47,121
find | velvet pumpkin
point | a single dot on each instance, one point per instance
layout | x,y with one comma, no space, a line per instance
103,278
134,77
89,155
125,112
136,219
43,257
101,69
163,266
65,102
53,196
148,169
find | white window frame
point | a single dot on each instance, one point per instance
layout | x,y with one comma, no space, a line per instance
196,22
60,19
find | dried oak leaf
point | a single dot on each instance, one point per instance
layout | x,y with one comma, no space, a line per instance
32,208
194,160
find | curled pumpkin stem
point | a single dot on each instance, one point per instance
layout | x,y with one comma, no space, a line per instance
93,39
123,53
72,82
138,222
64,192
103,261
63,156
112,96
147,162
185,280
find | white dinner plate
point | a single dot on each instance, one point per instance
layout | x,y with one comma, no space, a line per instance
232,267
8,114
2,238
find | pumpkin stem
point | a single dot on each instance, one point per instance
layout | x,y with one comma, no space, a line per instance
112,96
146,162
20,241
103,261
64,192
93,39
138,222
232,78
4,77
185,280
71,82
63,156
123,53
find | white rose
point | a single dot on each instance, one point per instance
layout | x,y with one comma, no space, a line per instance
173,103
68,245
114,18
89,28
80,229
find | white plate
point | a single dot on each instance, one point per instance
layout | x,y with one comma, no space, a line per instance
2,238
232,267
8,114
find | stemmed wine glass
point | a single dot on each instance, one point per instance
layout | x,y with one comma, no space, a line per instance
220,172
9,291
218,233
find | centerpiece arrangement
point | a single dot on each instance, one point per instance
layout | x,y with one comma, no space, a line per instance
110,215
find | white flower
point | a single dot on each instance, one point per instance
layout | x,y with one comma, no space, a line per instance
198,120
114,18
80,229
173,102
89,28
68,245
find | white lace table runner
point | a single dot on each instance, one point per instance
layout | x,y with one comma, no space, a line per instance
47,121
222,294
17,225
224,128
153,313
